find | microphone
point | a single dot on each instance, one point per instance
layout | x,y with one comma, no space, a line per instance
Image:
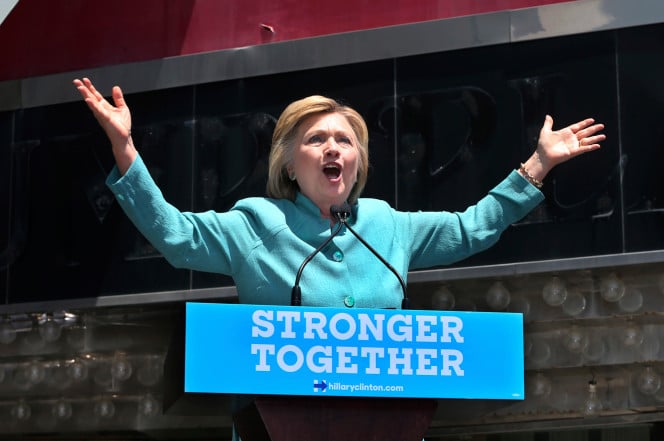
296,293
342,214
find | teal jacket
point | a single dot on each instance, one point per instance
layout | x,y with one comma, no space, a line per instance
262,242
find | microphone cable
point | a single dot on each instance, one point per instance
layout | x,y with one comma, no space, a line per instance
296,292
342,214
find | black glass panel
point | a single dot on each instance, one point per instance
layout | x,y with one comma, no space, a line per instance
235,121
641,69
78,242
459,123
468,118
7,246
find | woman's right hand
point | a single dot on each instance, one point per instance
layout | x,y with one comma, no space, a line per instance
114,119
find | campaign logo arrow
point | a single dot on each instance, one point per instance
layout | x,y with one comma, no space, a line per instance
320,386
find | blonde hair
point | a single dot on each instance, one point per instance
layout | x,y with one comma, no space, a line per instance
279,185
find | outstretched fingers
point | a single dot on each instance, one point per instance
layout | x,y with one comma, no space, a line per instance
576,127
91,96
591,142
118,97
557,146
82,89
586,133
589,131
114,117
95,93
586,128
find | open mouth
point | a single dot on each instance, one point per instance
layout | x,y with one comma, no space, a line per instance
332,171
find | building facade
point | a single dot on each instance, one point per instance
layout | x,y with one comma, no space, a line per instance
454,100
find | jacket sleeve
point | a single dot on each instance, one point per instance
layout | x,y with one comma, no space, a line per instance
207,241
442,238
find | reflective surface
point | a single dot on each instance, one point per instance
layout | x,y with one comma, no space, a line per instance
641,97
7,248
489,107
444,129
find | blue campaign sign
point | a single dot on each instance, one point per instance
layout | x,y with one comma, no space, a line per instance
286,350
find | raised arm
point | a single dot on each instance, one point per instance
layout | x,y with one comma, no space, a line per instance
555,147
114,119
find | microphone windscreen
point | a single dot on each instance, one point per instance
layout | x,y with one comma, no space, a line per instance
340,211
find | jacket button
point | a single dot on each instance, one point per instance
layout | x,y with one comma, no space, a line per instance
338,256
349,301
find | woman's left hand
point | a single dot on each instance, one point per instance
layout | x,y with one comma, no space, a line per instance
555,147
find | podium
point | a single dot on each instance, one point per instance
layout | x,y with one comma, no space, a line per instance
279,418
340,374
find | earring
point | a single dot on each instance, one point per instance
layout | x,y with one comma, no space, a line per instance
291,176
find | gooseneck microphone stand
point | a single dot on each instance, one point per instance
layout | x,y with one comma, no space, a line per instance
342,214
296,293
